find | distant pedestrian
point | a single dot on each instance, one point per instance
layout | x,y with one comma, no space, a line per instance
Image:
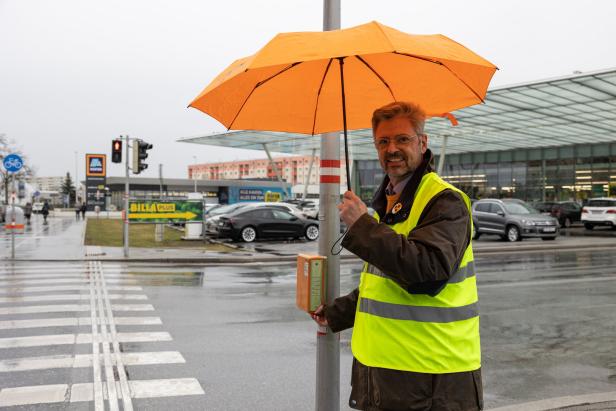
77,210
83,211
45,211
28,212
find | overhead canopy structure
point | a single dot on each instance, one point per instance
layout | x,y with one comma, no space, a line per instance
578,109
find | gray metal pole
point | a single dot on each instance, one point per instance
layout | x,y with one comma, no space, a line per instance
307,181
126,195
13,226
441,160
328,343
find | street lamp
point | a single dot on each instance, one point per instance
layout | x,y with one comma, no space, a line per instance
193,174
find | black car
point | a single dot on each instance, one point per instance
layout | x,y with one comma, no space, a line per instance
544,207
567,213
249,224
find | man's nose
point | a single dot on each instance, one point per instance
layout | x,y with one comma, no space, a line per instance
392,147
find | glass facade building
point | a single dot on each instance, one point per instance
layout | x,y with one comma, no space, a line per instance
574,172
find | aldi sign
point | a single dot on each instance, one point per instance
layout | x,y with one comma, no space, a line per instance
95,165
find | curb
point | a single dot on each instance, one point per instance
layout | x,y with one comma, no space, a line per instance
598,401
293,258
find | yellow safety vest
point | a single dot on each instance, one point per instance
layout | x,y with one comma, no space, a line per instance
416,332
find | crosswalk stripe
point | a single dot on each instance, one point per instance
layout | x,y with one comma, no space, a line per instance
59,308
38,394
69,339
145,389
83,392
77,274
18,282
74,322
18,289
85,360
68,297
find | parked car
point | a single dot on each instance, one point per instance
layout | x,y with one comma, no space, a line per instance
251,223
512,219
566,212
544,207
309,207
599,211
213,215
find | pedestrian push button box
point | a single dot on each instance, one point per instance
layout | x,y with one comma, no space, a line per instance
310,288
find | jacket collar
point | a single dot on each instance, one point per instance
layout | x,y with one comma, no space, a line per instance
379,201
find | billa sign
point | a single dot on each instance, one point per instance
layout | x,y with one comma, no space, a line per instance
96,173
165,211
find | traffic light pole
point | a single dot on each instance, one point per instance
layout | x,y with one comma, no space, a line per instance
126,195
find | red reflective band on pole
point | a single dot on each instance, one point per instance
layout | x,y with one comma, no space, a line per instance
330,179
330,163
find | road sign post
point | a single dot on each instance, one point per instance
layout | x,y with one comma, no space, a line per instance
12,164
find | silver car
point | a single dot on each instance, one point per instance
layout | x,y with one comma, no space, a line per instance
512,219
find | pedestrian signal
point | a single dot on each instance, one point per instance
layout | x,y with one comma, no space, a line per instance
116,151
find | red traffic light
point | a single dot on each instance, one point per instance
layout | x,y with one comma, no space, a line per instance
116,151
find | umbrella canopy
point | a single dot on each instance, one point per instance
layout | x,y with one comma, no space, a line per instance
298,81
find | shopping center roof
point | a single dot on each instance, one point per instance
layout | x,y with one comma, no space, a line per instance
577,109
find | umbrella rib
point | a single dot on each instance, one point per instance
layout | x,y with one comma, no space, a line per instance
378,75
444,65
259,84
316,106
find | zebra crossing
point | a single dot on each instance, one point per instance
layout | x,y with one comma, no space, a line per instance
90,299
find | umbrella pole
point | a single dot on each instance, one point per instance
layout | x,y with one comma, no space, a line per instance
344,124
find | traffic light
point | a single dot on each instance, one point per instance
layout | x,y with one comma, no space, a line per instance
140,153
116,151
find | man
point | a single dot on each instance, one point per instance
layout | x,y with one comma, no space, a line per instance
416,327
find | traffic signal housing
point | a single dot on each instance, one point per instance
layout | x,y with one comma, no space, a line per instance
116,151
140,153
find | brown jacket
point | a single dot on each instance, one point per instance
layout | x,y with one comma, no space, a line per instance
421,264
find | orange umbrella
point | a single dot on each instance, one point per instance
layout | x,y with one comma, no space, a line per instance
318,82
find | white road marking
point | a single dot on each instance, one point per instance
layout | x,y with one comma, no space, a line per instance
60,308
547,282
18,282
68,339
75,322
38,394
111,386
146,389
68,297
85,361
97,386
64,274
124,388
13,290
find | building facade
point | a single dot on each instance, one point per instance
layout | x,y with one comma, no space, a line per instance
294,170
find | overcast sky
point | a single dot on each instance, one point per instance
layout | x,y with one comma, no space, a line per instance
74,74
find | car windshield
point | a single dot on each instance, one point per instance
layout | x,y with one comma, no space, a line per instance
602,203
226,209
519,208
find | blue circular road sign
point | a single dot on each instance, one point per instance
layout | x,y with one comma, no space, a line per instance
12,163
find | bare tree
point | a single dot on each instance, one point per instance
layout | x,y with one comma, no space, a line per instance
8,146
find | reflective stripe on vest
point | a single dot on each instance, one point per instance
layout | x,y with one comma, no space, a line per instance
417,332
418,313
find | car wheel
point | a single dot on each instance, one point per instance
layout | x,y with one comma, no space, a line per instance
588,226
312,232
513,233
248,234
548,238
476,234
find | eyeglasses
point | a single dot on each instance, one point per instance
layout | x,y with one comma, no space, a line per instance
402,140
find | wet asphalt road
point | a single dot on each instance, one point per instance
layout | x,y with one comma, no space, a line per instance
548,330
234,340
